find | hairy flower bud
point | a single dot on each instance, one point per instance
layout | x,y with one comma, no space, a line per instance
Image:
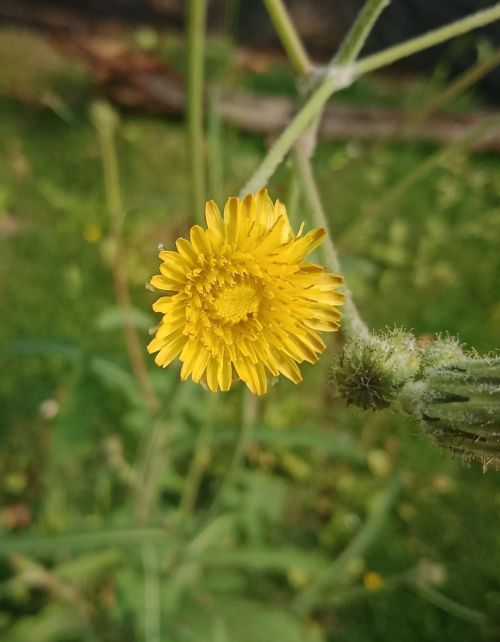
458,406
370,373
454,396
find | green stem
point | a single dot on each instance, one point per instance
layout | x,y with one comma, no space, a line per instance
359,32
196,47
152,590
215,148
106,123
289,37
455,88
450,606
353,325
294,196
307,600
55,543
247,422
335,81
385,202
427,40
200,461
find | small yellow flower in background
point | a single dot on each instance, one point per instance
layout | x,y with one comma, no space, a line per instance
373,581
92,232
243,303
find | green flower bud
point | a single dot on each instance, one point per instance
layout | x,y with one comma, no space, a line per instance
370,373
455,397
458,406
441,352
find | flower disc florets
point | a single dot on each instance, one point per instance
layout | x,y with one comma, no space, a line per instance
243,303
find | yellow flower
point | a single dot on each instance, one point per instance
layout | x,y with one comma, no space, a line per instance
243,302
373,581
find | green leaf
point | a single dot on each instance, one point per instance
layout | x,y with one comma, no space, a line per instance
266,558
80,541
237,620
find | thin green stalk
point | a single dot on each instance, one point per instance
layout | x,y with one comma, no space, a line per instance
289,37
294,196
196,50
308,599
150,469
353,325
359,32
455,88
106,122
414,121
152,584
448,605
429,39
215,148
350,48
55,543
385,202
200,460
344,75
247,422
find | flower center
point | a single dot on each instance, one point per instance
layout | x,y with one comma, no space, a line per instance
237,303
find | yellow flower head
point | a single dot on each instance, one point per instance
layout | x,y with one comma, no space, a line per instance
243,303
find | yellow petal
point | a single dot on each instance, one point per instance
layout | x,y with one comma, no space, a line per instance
169,352
162,282
173,272
188,357
233,220
213,217
303,246
212,368
200,241
187,251
200,365
225,374
289,368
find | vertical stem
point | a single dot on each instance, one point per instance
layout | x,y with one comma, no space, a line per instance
215,155
334,82
196,46
293,197
106,122
152,579
353,325
289,37
249,409
359,32
200,460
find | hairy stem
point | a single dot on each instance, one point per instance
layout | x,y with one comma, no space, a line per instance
352,324
196,48
248,417
106,122
200,460
342,76
152,590
359,32
289,37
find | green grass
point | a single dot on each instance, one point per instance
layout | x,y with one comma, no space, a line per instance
430,263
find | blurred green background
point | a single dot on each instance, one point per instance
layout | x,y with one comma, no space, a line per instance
102,537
